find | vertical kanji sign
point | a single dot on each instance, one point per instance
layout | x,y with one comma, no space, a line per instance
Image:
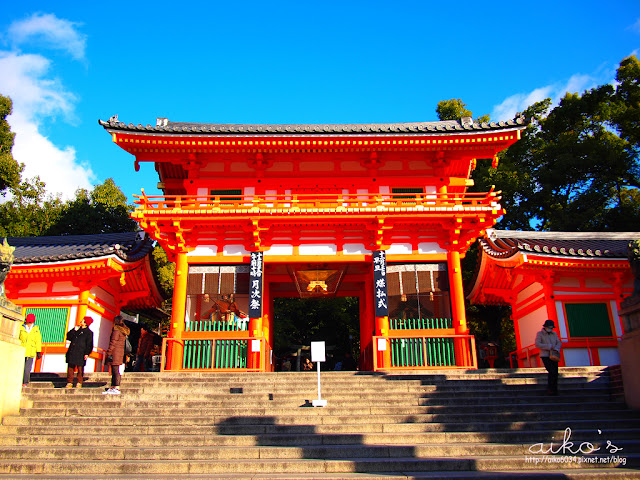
255,285
380,283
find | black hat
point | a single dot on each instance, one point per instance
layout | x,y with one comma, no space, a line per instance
549,323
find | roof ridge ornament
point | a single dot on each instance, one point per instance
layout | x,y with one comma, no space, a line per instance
466,121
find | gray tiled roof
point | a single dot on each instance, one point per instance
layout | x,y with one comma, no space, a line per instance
129,246
506,243
163,125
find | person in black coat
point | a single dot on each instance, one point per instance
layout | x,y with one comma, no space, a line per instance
81,338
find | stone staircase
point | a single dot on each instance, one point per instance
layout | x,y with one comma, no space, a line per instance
494,424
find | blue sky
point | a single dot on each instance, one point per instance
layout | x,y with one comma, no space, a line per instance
68,64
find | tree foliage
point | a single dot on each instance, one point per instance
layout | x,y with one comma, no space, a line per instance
455,109
301,321
576,167
10,170
101,210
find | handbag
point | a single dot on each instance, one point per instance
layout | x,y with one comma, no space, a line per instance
554,356
127,346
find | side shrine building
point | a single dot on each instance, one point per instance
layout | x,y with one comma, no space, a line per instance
380,212
576,279
62,279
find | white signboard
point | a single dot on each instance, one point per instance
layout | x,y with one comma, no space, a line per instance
317,352
382,344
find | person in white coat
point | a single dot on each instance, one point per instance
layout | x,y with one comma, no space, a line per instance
548,342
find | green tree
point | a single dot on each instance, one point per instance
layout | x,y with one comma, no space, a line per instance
102,210
29,212
576,167
455,109
301,321
515,176
626,114
10,170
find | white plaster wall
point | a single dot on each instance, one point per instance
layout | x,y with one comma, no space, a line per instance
562,321
234,250
354,249
430,247
530,325
529,294
64,287
576,357
400,249
203,250
617,323
54,363
279,250
609,356
34,287
318,249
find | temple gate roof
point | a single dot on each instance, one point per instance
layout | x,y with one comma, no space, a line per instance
163,126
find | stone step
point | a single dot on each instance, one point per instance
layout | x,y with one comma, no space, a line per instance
457,424
548,474
139,436
190,408
150,416
199,451
198,388
250,427
288,465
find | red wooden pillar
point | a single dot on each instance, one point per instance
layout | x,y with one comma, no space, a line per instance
456,291
267,327
255,330
367,327
176,349
382,330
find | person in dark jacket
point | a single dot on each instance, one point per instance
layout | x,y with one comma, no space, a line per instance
143,352
115,356
81,338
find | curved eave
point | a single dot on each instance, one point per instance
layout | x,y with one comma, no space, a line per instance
492,283
164,127
133,280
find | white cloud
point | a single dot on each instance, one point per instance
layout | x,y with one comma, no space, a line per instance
51,31
577,83
38,97
635,27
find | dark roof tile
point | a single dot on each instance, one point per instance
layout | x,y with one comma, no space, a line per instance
165,126
506,243
129,246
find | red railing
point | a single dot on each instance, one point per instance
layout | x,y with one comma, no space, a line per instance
317,203
424,352
531,352
216,351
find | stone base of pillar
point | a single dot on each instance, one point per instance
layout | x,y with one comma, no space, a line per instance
12,359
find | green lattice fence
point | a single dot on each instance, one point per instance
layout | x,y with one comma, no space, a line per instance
422,352
52,323
420,323
204,354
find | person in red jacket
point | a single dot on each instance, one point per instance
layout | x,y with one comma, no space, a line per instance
115,356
